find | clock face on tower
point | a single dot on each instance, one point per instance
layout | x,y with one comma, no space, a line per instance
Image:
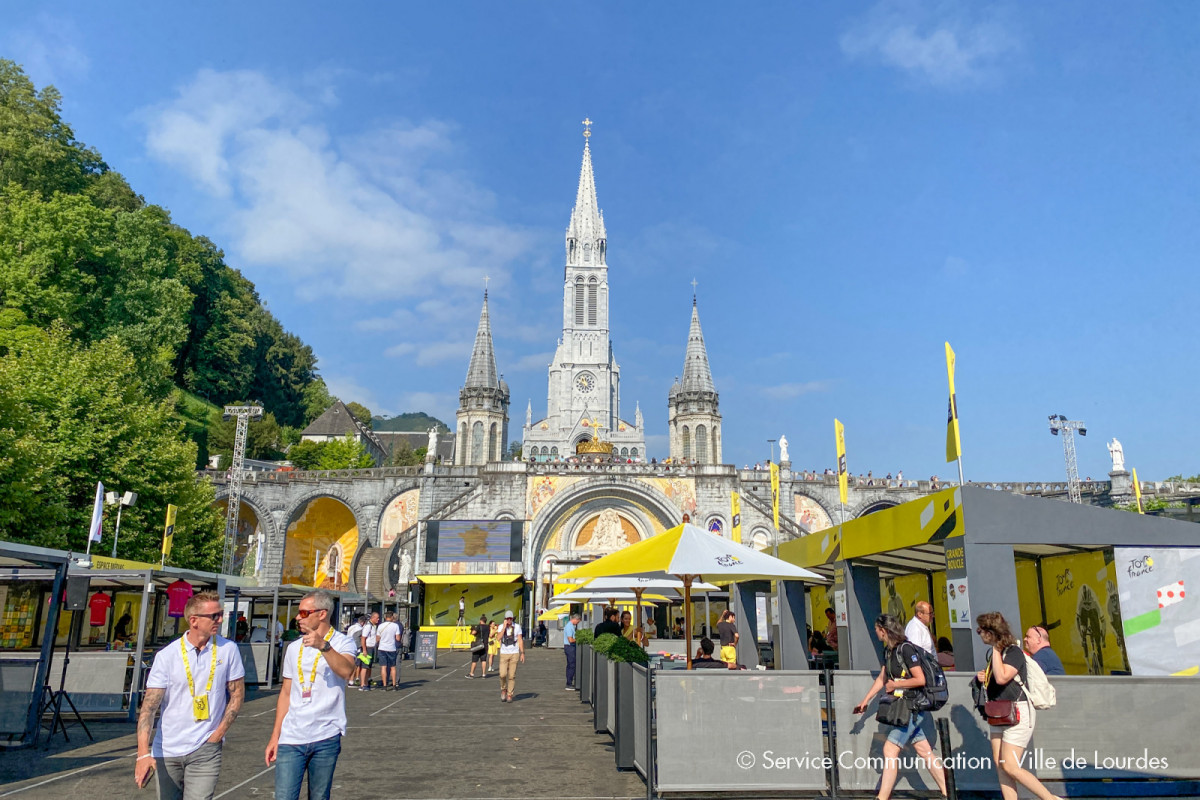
585,382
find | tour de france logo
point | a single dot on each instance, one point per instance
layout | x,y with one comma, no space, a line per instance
728,560
1141,566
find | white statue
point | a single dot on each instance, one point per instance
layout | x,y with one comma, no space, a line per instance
1118,455
431,447
783,453
608,535
405,569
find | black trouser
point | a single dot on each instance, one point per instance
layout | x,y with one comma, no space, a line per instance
569,650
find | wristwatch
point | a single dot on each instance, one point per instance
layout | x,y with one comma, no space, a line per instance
326,647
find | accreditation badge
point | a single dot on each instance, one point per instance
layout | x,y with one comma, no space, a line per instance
200,707
306,696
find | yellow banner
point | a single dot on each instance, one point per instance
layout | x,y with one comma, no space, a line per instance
735,513
953,442
1137,491
169,532
105,563
775,493
839,431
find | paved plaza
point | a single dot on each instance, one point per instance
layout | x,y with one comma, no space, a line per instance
440,736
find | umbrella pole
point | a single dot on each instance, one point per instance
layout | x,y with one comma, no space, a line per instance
687,619
637,620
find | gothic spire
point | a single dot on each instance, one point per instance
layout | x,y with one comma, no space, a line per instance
587,220
482,372
697,377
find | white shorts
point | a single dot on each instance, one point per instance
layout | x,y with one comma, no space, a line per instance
1017,735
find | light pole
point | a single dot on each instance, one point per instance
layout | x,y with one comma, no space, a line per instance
121,501
1059,423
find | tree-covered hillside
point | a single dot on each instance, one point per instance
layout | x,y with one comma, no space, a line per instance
107,310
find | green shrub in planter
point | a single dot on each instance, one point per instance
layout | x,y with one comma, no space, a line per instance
626,652
583,636
604,642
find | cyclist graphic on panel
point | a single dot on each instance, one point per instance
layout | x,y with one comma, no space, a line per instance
1089,622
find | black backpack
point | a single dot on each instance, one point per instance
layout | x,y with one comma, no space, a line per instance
935,693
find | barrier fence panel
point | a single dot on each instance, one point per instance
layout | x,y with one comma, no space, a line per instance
744,731
858,739
641,708
1115,728
17,693
610,716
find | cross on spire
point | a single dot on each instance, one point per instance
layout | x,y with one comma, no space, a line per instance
693,291
587,128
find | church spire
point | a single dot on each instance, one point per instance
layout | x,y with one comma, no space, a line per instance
586,237
697,377
482,372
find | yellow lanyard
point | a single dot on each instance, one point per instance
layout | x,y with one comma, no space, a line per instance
312,678
199,704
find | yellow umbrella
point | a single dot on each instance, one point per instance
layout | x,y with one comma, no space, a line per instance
691,554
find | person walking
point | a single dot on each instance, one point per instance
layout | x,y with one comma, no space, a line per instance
199,683
1005,678
310,714
389,648
355,634
1037,644
728,633
569,647
493,651
917,629
901,671
479,647
366,654
512,650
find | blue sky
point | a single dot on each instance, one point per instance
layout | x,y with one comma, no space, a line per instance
851,184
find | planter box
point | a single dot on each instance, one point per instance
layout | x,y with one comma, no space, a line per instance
603,687
624,727
610,718
583,672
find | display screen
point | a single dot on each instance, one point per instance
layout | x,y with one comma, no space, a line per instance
473,540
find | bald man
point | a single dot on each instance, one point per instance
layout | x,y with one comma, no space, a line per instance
917,629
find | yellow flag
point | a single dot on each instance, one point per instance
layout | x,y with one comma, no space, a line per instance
840,432
953,443
1137,491
735,513
775,493
169,532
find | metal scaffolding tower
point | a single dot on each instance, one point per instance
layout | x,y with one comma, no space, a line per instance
1059,423
243,414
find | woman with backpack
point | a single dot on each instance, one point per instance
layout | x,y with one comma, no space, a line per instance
1008,708
901,673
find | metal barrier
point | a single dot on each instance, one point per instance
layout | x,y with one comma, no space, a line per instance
583,672
1119,730
17,693
773,720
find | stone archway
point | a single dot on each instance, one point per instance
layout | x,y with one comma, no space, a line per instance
871,506
320,543
251,517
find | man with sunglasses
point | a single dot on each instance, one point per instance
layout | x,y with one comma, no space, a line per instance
1037,644
310,715
199,683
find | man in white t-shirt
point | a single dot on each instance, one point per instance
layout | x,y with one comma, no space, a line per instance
366,654
389,646
512,650
917,629
355,632
310,715
199,682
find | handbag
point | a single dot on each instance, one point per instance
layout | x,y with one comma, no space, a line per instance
478,647
893,711
1001,713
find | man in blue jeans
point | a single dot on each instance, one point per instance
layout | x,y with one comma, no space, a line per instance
569,648
310,716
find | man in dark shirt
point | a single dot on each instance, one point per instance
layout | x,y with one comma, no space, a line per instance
704,657
727,630
610,624
1037,644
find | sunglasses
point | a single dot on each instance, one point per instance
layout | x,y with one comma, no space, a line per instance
216,616
304,612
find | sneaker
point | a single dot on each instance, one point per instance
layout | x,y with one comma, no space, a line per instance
362,688
503,698
570,688
468,675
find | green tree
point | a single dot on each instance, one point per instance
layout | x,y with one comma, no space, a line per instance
306,454
360,412
76,413
345,453
515,450
262,437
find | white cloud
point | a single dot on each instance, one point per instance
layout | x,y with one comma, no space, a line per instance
947,44
790,391
50,50
348,390
377,215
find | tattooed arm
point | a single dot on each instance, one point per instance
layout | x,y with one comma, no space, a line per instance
145,732
237,694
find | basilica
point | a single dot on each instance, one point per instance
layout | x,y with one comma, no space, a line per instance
496,532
